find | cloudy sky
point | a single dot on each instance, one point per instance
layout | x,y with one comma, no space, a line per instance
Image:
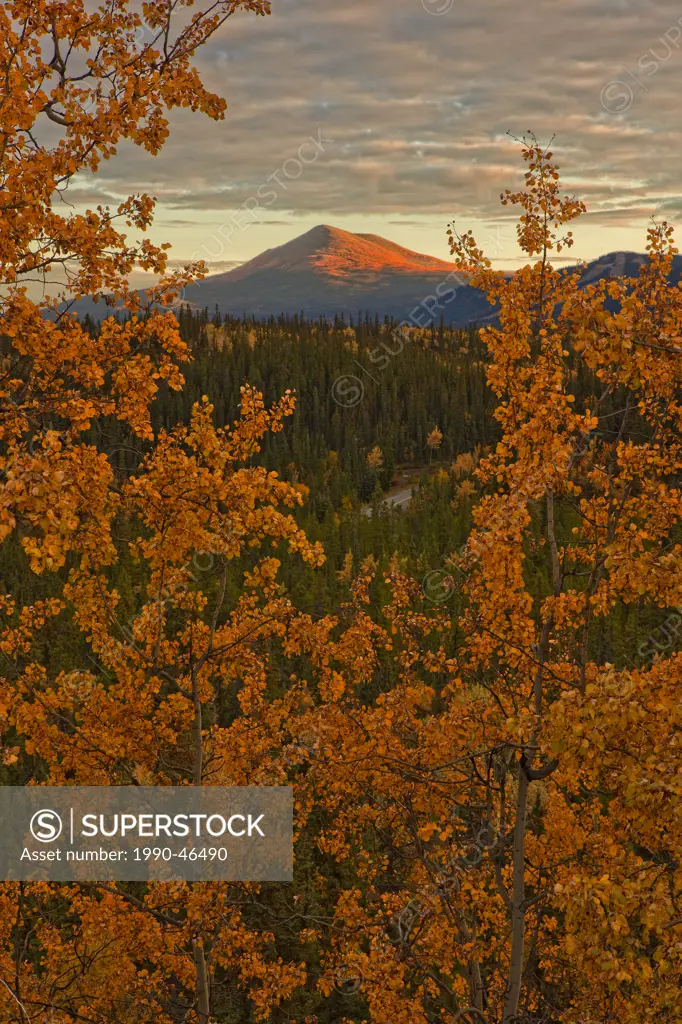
391,116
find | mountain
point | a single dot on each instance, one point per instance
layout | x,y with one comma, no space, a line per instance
327,271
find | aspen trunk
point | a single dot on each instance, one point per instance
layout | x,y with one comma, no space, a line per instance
203,996
203,1001
518,912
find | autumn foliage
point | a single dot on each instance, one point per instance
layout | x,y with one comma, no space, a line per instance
487,832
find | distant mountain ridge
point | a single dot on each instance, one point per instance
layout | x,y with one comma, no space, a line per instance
328,271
